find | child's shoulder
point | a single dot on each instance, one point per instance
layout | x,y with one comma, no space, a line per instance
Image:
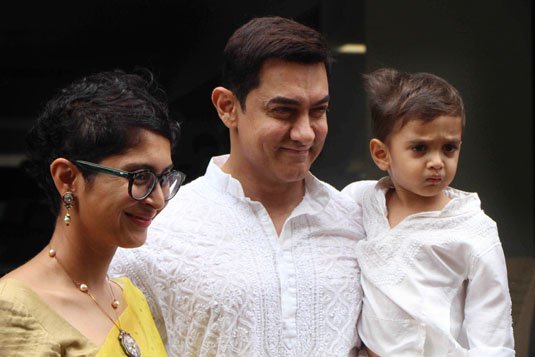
475,224
466,202
356,189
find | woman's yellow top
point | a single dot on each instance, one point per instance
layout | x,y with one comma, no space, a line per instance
30,327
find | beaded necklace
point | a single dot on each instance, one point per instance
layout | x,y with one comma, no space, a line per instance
128,344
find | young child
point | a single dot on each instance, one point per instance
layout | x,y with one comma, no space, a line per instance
433,271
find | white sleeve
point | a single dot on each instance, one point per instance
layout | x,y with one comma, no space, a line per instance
356,189
487,320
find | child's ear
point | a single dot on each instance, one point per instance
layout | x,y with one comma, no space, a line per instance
379,152
226,104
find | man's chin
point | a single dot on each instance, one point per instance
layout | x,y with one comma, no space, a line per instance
295,175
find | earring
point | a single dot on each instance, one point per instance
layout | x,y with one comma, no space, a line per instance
68,201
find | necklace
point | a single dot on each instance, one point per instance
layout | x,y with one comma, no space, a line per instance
128,344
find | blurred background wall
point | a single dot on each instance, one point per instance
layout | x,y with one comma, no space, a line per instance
483,47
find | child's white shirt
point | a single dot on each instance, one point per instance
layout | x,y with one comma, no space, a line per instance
435,284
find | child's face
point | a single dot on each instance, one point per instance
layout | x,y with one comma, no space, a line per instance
423,156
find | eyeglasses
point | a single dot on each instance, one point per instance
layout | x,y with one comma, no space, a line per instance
142,182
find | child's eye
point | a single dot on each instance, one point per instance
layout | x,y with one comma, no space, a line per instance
418,148
450,148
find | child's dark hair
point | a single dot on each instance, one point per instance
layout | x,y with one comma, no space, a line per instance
93,118
396,97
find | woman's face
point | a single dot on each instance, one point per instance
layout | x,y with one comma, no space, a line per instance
106,212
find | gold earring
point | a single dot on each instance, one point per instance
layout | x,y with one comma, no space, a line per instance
68,201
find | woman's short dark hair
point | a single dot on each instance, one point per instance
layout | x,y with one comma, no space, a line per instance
264,38
93,118
397,97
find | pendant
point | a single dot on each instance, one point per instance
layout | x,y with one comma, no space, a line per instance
129,345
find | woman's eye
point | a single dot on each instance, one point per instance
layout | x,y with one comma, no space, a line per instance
142,177
167,177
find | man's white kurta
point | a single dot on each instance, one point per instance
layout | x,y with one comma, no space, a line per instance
435,284
220,282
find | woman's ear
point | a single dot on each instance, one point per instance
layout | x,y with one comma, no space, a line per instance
65,175
226,104
380,155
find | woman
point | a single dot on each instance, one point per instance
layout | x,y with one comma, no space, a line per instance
102,153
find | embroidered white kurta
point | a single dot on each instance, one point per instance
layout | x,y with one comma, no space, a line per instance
435,284
220,282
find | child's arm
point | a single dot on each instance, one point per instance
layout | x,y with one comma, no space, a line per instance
487,320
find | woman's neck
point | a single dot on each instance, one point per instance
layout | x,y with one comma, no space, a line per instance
78,255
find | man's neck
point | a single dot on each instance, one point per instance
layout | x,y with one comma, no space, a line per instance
279,199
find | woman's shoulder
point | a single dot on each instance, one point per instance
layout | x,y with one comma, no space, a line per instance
21,329
27,288
20,304
13,290
31,328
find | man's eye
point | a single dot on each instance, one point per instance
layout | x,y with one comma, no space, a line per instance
319,112
282,112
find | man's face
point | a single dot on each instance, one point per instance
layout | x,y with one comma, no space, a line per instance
284,125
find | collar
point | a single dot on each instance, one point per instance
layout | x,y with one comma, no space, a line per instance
315,199
460,201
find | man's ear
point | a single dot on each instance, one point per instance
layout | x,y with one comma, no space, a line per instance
66,175
380,155
226,104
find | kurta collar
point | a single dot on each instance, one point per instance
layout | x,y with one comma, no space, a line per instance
460,202
315,199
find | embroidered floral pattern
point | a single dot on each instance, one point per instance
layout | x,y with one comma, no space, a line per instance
221,283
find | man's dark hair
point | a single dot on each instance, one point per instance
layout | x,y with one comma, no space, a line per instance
93,118
269,37
397,97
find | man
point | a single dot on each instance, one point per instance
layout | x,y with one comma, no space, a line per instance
257,257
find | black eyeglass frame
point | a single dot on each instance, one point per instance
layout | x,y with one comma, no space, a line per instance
91,166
